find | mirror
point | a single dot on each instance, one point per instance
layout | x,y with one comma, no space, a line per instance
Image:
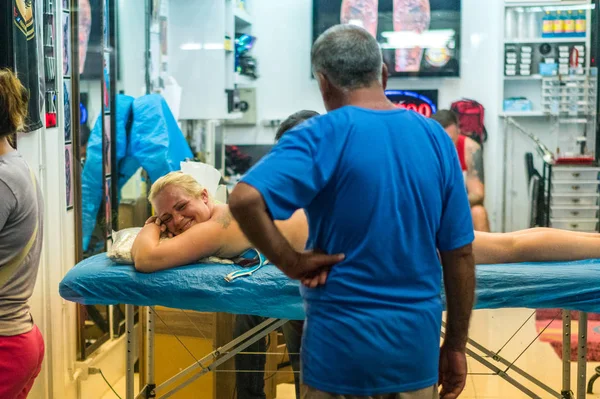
107,29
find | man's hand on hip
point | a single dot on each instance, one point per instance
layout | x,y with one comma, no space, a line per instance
312,267
453,372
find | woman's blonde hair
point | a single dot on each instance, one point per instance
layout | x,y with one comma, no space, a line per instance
13,103
179,179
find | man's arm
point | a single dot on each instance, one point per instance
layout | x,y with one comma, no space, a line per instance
249,209
459,282
475,175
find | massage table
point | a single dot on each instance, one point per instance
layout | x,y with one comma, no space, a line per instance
572,286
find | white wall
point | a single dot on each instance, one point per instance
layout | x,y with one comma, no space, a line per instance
284,32
44,151
132,37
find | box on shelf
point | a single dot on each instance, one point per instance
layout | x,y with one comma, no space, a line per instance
517,104
548,69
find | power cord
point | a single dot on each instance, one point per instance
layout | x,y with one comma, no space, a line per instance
93,370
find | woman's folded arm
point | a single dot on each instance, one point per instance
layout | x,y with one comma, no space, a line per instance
150,254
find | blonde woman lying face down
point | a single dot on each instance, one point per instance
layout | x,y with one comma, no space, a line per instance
201,228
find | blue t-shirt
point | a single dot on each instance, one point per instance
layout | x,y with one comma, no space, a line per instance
386,189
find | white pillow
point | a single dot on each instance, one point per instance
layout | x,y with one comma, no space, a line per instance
120,251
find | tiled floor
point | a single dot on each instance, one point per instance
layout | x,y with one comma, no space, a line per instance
493,328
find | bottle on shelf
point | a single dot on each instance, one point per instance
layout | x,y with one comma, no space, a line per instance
559,25
521,25
572,89
533,25
569,24
510,24
548,25
580,24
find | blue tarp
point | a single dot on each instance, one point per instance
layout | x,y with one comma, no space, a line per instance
269,293
147,136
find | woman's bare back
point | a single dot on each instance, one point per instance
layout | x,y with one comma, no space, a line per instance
295,230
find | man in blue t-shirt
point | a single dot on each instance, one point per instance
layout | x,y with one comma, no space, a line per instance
383,192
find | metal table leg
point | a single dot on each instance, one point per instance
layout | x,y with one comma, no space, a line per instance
151,387
582,355
220,355
566,354
130,358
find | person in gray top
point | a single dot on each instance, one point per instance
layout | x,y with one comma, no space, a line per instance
21,231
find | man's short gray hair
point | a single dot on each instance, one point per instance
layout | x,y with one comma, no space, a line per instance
349,56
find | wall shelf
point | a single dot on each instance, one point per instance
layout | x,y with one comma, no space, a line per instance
243,80
522,114
233,115
520,77
546,3
242,18
547,40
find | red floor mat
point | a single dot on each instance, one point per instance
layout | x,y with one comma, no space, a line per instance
553,334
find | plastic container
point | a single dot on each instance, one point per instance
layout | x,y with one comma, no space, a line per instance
581,212
575,200
510,24
548,25
580,24
569,24
575,186
521,25
575,224
517,104
567,173
533,25
558,25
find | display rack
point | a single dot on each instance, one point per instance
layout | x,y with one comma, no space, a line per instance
571,103
530,50
549,87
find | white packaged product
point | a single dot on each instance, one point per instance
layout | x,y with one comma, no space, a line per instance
120,251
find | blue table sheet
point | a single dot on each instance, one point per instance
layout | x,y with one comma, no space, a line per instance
268,292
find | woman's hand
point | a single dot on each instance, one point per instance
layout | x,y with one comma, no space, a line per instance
164,232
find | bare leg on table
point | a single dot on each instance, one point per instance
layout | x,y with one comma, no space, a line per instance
535,245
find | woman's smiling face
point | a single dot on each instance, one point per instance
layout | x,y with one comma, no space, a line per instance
179,210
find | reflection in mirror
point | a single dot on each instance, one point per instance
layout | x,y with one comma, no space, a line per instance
107,29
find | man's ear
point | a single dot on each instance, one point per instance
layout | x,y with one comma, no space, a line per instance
384,76
325,87
323,81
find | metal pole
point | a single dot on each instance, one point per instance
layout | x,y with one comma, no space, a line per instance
130,358
111,321
150,381
76,161
147,54
566,354
238,344
582,355
511,365
504,176
503,375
